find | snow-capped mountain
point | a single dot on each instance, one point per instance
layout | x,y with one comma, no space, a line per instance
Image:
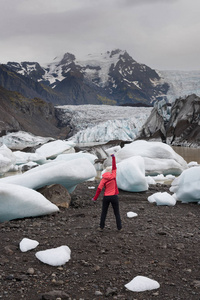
113,78
106,78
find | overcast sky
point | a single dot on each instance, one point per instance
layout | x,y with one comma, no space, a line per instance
163,34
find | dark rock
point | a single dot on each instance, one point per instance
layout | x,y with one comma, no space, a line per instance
178,127
57,194
53,295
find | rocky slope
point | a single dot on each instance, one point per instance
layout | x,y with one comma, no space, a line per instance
184,124
31,115
162,243
178,125
28,87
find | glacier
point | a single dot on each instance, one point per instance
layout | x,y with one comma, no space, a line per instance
181,83
102,123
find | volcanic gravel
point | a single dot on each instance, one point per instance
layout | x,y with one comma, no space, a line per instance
162,243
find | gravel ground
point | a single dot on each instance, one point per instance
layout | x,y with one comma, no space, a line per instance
162,243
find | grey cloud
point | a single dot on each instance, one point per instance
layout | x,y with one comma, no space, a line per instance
152,31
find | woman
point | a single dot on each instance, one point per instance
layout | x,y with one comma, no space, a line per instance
111,192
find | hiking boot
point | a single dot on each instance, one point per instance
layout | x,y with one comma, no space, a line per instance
100,229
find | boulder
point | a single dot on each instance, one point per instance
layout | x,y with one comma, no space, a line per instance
57,194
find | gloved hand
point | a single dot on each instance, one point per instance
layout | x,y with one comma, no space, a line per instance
93,200
112,155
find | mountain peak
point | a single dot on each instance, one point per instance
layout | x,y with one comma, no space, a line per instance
116,51
67,58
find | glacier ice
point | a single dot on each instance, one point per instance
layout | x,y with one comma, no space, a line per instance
131,214
55,256
186,186
7,159
27,244
110,130
66,173
182,83
72,156
19,202
26,157
159,158
102,123
21,140
141,284
162,199
52,149
131,175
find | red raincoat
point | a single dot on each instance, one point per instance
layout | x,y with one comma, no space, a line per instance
109,182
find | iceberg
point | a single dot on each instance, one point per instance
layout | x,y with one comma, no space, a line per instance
21,140
7,159
71,156
131,175
186,187
159,158
162,199
26,157
66,173
19,202
53,149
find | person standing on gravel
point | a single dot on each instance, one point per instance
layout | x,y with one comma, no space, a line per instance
111,192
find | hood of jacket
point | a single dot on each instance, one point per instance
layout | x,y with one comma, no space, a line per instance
107,175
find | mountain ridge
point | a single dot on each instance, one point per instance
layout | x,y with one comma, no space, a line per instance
114,76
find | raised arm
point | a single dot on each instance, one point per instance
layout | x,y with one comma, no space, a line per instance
114,167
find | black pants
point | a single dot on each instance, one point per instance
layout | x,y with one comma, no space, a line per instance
115,205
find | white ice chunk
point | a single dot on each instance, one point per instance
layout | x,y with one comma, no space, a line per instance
71,156
162,199
55,256
131,214
28,244
112,150
141,284
159,158
192,164
53,149
25,157
187,185
5,164
66,173
7,159
131,175
150,180
20,140
20,202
